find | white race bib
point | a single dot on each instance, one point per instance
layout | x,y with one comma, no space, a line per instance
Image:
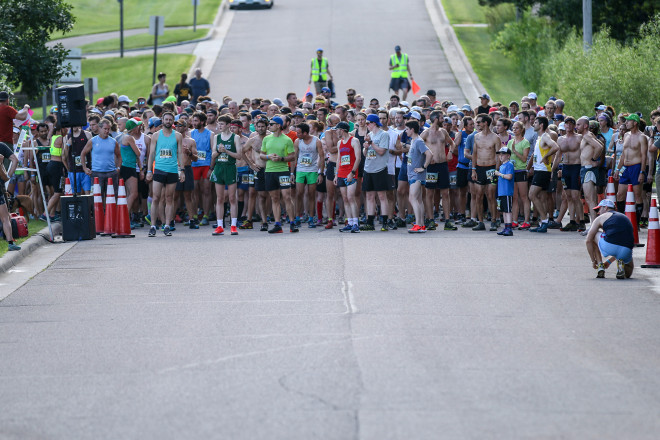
345,160
165,153
77,161
224,157
201,155
431,177
306,160
45,157
285,181
371,154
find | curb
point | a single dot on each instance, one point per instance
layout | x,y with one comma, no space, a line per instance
467,80
160,46
11,259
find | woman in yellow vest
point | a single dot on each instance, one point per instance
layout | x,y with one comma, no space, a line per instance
400,71
319,71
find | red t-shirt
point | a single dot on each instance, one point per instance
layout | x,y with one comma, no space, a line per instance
7,115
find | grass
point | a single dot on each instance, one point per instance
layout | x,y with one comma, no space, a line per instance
144,40
92,18
496,72
111,73
463,11
34,226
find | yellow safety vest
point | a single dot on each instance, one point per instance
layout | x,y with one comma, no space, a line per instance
319,71
402,70
55,151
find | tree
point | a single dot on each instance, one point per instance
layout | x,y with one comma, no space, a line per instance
25,59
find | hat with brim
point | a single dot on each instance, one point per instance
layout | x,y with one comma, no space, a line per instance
374,118
170,99
132,123
504,150
606,203
633,117
343,126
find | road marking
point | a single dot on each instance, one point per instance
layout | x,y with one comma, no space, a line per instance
349,300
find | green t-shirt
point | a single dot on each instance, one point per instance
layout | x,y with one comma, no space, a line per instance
281,145
520,149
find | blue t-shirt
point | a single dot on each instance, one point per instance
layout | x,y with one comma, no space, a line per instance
469,144
505,186
462,161
199,87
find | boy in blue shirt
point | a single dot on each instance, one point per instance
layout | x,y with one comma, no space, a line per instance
505,189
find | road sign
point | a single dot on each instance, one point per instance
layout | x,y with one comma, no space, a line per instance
156,25
194,2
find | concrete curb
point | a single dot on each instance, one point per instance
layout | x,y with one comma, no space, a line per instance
160,46
11,259
467,80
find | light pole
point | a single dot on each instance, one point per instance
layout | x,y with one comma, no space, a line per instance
121,28
586,25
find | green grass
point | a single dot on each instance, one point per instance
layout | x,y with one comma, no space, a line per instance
112,73
34,226
463,11
496,72
144,40
93,16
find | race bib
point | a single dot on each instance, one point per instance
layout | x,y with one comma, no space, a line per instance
345,160
371,154
431,177
201,155
491,175
285,181
409,160
45,157
251,179
165,153
224,157
306,160
452,179
245,179
77,161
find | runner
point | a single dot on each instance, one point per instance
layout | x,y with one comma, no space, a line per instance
417,162
257,193
486,144
617,240
331,138
569,145
277,149
463,166
226,150
631,168
505,190
106,158
202,137
188,185
130,169
590,153
165,159
309,170
519,147
242,169
73,146
545,148
376,181
346,180
5,175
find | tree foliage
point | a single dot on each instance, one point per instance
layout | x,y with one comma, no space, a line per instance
25,59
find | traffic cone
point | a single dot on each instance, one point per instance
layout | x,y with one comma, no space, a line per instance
67,187
110,210
123,217
653,239
98,206
611,193
631,214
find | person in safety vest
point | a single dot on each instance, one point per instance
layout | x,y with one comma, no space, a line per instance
400,71
319,71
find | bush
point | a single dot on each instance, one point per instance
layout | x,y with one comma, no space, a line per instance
498,16
623,76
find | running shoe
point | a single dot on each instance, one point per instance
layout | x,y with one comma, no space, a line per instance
247,224
329,225
14,247
218,231
543,228
570,227
449,226
367,227
152,231
178,219
55,218
480,227
264,227
167,232
384,228
234,230
355,229
277,229
430,224
205,221
401,223
392,224
582,227
312,223
507,232
620,270
415,229
470,223
554,225
514,225
409,219
172,226
293,227
525,225
493,226
601,271
42,217
347,228
193,224
147,219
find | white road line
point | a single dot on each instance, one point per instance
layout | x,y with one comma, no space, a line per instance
349,300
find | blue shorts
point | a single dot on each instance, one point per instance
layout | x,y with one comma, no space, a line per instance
631,175
614,250
403,171
83,182
412,181
243,178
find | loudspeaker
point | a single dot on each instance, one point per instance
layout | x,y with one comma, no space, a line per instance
71,111
78,221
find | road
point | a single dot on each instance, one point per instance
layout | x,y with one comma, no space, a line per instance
321,335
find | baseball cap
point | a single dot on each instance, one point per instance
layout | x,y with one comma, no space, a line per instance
633,117
154,122
97,111
467,107
256,113
124,98
504,150
558,117
413,114
606,202
278,102
562,126
99,101
601,107
485,96
397,48
109,113
4,96
132,123
53,109
343,126
430,92
319,49
374,118
452,108
309,94
326,90
532,95
297,113
277,120
404,104
170,99
492,110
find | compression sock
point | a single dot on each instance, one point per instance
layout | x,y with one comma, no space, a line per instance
638,210
241,206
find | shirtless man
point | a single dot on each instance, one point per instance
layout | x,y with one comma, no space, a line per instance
544,150
437,174
212,121
189,155
257,193
569,147
486,144
591,151
331,139
631,166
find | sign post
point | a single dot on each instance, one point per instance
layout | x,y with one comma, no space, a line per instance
156,28
121,28
195,3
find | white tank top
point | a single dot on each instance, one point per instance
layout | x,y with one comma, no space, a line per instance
143,149
308,156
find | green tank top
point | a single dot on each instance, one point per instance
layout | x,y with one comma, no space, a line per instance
166,153
225,159
128,157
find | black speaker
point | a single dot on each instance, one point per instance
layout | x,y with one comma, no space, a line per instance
78,221
71,111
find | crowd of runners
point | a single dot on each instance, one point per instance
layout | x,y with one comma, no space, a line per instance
359,165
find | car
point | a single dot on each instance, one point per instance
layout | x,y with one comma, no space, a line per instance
234,4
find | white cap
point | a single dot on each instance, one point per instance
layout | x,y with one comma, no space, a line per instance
562,126
532,95
404,104
124,98
452,108
415,115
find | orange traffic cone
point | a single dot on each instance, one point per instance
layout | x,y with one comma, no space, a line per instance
110,210
98,206
653,239
611,193
123,217
632,215
67,187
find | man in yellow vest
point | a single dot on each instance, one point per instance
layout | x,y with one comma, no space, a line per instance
400,68
319,71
